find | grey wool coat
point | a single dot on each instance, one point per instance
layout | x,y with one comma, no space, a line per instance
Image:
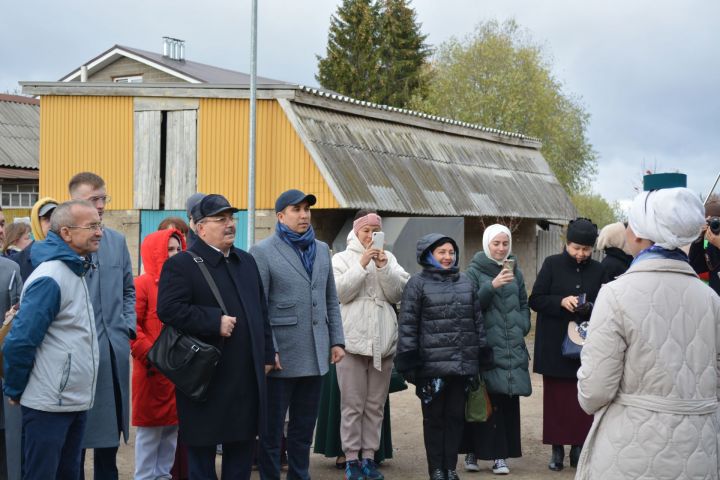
113,296
304,311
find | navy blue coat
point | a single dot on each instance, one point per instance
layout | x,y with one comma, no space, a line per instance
235,405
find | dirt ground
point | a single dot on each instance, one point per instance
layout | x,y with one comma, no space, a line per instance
408,462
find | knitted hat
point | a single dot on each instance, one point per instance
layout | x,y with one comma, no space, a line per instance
582,231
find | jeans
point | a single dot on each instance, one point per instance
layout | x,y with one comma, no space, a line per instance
52,444
302,396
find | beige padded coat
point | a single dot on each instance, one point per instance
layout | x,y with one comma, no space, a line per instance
650,375
366,299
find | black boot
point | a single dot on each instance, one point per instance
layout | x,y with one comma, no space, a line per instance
556,460
452,475
437,474
575,455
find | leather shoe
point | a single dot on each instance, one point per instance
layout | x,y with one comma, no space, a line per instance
452,475
575,455
556,460
437,474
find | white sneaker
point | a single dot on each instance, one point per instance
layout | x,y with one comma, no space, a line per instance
500,467
471,463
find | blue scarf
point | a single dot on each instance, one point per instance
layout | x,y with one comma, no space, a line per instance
659,252
304,245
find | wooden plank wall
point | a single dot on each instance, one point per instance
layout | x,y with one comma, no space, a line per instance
181,158
147,160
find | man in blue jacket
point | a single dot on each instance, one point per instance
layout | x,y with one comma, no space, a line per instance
51,354
112,292
307,331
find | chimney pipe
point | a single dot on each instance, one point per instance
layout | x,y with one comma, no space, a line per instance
166,49
83,73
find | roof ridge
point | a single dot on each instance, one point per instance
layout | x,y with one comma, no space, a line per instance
415,113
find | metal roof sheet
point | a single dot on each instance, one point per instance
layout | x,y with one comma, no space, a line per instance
19,132
199,72
372,163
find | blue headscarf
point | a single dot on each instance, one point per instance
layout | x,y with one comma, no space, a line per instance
304,245
656,251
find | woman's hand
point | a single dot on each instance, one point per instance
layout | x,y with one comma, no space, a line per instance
381,260
369,254
569,303
504,277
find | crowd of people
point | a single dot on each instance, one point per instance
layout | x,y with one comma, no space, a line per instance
313,343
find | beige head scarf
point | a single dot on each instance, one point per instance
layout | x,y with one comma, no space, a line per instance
671,217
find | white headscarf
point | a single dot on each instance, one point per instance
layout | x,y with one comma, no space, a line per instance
489,234
671,217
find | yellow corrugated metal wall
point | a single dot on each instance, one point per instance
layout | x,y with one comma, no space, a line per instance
87,134
283,162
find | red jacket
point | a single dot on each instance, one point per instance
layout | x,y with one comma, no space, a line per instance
153,395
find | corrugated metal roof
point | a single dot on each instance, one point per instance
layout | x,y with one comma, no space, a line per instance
371,163
195,70
19,132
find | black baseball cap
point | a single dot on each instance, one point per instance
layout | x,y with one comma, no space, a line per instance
293,197
211,205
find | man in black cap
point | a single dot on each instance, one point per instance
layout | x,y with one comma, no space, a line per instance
234,412
307,331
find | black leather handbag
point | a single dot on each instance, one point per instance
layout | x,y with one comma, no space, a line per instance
185,360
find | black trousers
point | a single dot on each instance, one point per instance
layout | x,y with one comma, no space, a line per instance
443,420
236,461
499,436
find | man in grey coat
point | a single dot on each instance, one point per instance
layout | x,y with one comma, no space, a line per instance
304,313
112,291
10,416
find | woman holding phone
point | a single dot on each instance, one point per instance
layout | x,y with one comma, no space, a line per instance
369,282
564,292
501,291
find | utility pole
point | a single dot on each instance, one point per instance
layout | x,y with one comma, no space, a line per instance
253,101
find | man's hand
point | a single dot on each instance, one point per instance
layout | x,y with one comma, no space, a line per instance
569,303
268,369
277,366
711,237
227,324
12,401
337,353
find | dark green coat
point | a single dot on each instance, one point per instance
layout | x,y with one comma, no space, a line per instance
507,320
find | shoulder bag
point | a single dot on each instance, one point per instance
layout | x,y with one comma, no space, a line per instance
185,360
574,339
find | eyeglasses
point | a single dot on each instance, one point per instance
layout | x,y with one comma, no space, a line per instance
92,226
105,199
222,220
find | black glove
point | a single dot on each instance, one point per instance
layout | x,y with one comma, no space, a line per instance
585,310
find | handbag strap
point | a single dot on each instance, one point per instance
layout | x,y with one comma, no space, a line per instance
211,283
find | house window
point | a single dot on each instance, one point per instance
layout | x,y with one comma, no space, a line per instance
128,79
19,195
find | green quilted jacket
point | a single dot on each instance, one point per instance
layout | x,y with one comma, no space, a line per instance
507,320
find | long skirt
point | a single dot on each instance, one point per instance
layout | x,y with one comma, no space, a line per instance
499,436
327,431
564,422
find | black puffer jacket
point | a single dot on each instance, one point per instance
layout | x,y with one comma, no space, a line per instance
616,262
440,327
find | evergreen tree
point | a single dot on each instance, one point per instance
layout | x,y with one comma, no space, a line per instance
351,64
375,52
403,54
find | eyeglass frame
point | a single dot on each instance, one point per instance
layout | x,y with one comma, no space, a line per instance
106,199
93,227
223,220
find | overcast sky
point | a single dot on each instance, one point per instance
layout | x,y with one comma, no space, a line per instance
648,71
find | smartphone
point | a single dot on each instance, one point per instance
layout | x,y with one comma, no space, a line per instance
582,299
509,264
378,240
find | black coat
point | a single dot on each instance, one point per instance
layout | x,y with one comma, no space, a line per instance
440,326
235,405
559,277
706,260
616,262
23,259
